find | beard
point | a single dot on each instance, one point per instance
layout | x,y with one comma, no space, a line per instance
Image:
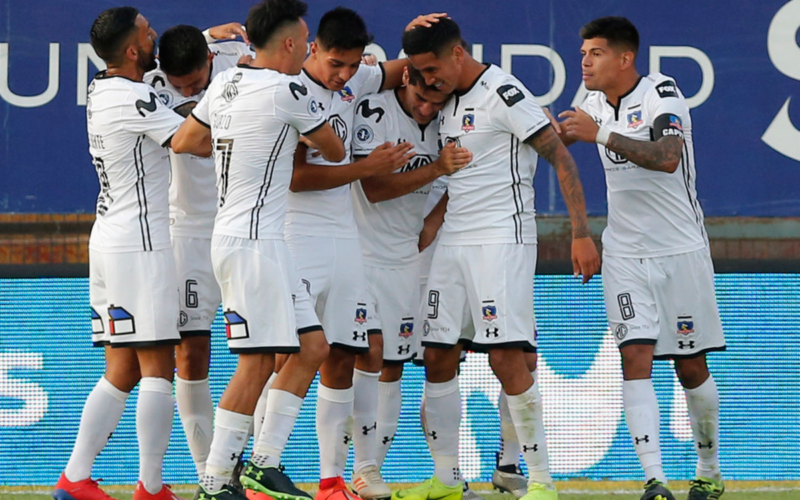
147,60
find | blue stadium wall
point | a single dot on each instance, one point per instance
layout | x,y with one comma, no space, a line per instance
47,368
738,62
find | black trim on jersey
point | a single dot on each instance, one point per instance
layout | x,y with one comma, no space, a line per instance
637,342
141,195
103,75
697,354
686,172
537,131
374,331
319,83
255,213
168,142
623,96
195,333
515,189
315,128
201,122
265,350
350,348
309,329
517,344
472,85
146,343
101,343
383,76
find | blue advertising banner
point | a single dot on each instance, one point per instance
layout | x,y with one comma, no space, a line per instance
47,368
738,65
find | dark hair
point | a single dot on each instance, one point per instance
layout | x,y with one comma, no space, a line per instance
182,49
110,31
415,78
617,31
439,38
343,29
269,16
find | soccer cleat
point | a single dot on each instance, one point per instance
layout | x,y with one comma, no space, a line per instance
270,481
238,469
540,491
334,488
469,494
164,494
509,479
226,493
86,489
704,488
432,489
369,484
656,490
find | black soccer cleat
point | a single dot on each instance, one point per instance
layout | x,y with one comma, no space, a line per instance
656,490
226,493
273,482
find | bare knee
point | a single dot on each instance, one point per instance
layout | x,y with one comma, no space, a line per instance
372,361
530,360
441,365
391,372
122,368
314,348
692,372
192,357
337,371
510,367
637,361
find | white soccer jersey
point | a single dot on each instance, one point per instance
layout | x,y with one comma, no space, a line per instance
192,187
128,127
491,199
390,229
650,214
330,212
256,116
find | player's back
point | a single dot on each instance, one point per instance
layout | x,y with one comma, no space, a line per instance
128,127
255,115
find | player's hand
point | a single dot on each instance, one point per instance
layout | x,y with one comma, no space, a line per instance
309,144
369,59
245,59
453,159
579,125
386,158
553,122
425,20
229,32
585,259
427,235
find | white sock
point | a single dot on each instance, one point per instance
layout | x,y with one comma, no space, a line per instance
334,429
231,431
281,414
442,417
365,418
703,403
527,412
101,414
509,444
642,416
197,415
261,406
390,400
154,412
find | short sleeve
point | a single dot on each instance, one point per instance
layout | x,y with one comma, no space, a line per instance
146,114
369,124
665,99
372,78
296,105
515,110
201,111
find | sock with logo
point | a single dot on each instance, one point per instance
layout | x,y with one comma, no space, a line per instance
508,456
334,429
261,406
101,414
154,411
703,403
231,431
528,415
196,411
441,419
642,415
281,414
390,401
365,418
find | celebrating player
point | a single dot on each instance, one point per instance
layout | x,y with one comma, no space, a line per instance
132,278
255,114
658,277
483,267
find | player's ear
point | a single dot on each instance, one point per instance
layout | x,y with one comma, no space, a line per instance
458,53
314,49
210,56
405,76
627,60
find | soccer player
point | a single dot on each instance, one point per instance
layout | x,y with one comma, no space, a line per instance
389,213
658,278
187,66
483,267
323,238
255,114
132,279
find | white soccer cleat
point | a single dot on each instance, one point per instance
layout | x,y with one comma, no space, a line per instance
369,484
510,482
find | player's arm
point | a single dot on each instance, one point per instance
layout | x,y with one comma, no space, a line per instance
192,137
393,73
433,221
662,155
389,186
325,140
227,31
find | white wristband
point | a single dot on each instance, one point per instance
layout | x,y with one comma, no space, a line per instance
209,38
602,135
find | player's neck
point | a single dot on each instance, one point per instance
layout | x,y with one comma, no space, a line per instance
269,61
622,87
310,67
130,70
470,72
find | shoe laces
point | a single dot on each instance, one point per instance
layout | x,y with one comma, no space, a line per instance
371,475
701,484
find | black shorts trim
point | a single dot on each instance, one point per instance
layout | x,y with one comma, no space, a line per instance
195,333
101,343
375,331
690,356
517,344
350,348
439,345
201,122
637,342
309,329
150,343
403,361
265,350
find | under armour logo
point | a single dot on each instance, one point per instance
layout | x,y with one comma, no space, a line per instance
403,349
347,439
645,439
360,336
492,332
387,439
686,345
365,430
526,448
432,434
700,445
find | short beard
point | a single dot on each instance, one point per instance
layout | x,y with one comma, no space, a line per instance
147,61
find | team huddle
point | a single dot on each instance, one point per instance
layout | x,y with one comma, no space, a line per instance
351,217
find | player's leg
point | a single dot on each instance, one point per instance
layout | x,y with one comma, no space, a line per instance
390,403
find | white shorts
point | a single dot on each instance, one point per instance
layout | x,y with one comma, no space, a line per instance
257,280
333,272
198,290
668,302
482,293
394,303
134,298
